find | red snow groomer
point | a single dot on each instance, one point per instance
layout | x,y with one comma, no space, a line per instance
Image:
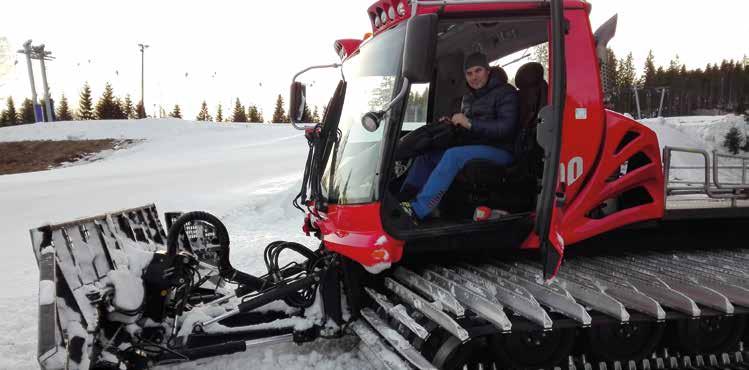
655,270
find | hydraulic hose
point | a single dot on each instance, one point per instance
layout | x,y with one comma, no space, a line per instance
226,270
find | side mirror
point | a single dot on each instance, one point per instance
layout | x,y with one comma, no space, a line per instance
296,101
420,48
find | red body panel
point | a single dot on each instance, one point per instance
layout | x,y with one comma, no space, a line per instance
356,232
574,225
589,156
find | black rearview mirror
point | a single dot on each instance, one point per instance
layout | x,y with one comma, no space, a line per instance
296,101
420,48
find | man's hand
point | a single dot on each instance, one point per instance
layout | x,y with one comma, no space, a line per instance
460,119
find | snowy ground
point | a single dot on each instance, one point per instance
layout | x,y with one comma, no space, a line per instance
245,174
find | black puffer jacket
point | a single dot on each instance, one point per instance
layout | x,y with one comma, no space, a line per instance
493,112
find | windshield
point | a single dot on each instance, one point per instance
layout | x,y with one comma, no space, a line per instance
371,75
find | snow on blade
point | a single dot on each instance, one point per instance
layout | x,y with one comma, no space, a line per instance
128,289
46,292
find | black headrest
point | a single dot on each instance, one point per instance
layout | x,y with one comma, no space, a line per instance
529,75
500,72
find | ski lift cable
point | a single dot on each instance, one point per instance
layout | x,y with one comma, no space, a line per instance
526,54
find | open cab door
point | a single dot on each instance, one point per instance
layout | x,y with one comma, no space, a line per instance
549,137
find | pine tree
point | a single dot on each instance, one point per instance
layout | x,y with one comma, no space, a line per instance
117,110
140,110
315,116
625,80
107,106
63,112
673,67
219,114
745,148
253,114
10,115
128,111
732,140
239,114
85,107
260,117
27,112
279,114
648,78
176,112
203,115
628,71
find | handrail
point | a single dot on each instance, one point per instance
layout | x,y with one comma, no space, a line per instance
743,184
667,165
720,191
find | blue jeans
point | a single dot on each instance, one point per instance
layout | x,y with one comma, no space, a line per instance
433,172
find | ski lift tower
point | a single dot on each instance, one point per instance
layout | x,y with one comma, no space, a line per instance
27,50
39,53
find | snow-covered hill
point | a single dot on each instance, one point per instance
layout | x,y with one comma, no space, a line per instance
246,174
701,132
707,132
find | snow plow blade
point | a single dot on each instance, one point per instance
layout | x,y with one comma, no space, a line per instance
74,260
116,289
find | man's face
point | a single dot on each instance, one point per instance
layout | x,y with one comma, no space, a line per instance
477,77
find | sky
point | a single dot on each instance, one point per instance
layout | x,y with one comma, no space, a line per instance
223,50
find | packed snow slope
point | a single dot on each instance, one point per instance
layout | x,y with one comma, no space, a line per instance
245,174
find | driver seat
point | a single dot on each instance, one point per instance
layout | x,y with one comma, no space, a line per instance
512,188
